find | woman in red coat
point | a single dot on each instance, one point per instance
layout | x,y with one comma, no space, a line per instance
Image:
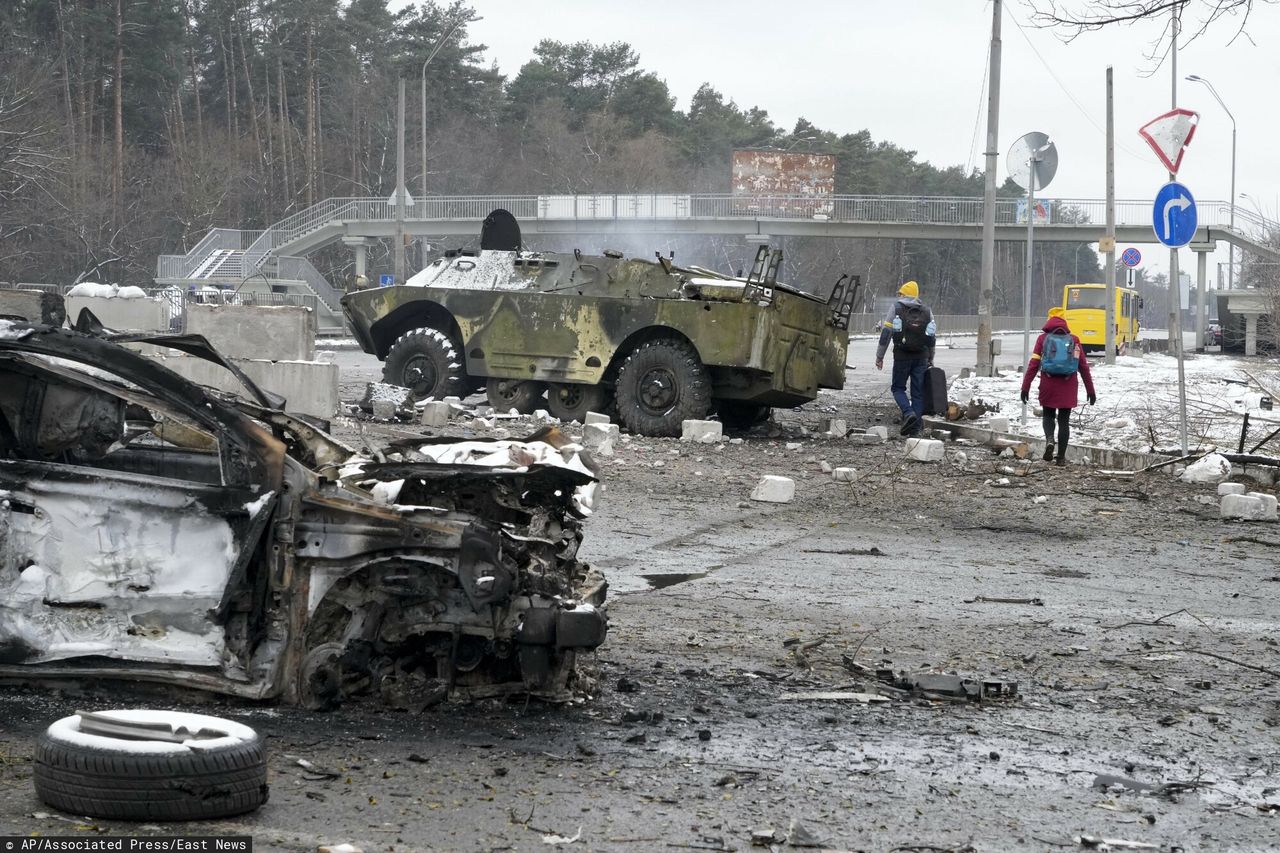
1059,394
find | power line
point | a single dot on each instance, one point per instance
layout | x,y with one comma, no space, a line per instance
1065,90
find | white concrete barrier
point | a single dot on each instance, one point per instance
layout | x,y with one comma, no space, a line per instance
123,314
309,387
271,332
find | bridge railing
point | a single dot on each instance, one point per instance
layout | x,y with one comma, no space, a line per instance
942,210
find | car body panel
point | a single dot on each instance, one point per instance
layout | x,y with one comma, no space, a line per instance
171,534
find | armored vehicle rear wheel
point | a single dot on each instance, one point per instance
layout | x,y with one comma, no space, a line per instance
427,363
738,416
571,402
505,394
661,384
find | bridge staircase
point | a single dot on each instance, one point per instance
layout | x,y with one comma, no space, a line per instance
225,259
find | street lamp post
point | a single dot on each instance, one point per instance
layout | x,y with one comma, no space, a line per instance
443,40
1231,248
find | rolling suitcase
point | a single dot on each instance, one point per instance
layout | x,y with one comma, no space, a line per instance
935,391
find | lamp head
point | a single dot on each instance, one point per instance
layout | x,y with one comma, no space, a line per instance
1194,78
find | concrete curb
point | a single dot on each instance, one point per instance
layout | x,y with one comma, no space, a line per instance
1103,457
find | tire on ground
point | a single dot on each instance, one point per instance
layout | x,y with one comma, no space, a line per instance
661,384
523,396
83,773
427,362
571,402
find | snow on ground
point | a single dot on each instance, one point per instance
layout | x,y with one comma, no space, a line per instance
1137,405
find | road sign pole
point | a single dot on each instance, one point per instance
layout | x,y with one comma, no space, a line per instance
1175,286
1026,287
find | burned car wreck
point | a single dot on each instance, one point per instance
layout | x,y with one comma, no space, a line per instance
155,530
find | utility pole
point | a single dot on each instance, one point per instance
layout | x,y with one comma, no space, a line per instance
1030,264
400,190
987,275
1111,222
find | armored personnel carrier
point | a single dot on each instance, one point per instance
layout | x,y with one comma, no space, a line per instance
659,343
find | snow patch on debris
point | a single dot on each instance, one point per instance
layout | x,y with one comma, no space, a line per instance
107,291
67,730
1213,468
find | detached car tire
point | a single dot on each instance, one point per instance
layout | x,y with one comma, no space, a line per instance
105,776
428,363
660,385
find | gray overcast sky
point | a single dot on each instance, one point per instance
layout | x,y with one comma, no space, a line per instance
911,72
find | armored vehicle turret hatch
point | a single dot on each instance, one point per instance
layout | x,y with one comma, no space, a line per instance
662,343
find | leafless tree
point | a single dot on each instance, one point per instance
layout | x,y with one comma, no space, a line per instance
1071,18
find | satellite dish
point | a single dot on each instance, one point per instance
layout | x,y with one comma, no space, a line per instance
1033,155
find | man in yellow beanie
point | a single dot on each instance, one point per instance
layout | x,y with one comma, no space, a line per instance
909,324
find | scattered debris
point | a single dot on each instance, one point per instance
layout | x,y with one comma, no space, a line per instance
552,838
925,450
774,489
1094,843
982,599
834,696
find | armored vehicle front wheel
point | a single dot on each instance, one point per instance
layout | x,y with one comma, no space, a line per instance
427,363
571,402
660,385
505,394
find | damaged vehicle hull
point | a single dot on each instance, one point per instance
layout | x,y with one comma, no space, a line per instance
153,530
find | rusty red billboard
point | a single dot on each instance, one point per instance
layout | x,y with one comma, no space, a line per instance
782,183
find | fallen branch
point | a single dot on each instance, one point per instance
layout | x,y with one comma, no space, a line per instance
1189,458
984,600
1156,623
1252,666
1231,540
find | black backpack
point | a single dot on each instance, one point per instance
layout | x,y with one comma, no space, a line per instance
914,336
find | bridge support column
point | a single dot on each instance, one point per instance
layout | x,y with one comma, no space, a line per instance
361,247
1202,306
1251,333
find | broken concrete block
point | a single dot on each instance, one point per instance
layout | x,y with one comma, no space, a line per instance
794,445
435,414
705,432
825,467
835,427
774,489
594,435
1268,505
480,423
925,449
999,424
845,475
454,400
384,410
1231,489
1244,507
595,418
880,432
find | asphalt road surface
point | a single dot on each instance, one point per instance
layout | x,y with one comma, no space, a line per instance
1141,632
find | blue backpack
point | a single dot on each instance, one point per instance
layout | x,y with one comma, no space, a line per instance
1060,355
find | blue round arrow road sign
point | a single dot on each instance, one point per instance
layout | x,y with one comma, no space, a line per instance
1131,257
1173,216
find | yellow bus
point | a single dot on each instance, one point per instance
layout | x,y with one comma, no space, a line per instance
1086,309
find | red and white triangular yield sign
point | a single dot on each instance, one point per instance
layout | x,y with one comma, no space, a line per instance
1169,135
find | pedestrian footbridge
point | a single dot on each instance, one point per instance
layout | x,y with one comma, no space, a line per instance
275,257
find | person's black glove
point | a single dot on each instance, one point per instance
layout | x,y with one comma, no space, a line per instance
1023,396
1093,398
